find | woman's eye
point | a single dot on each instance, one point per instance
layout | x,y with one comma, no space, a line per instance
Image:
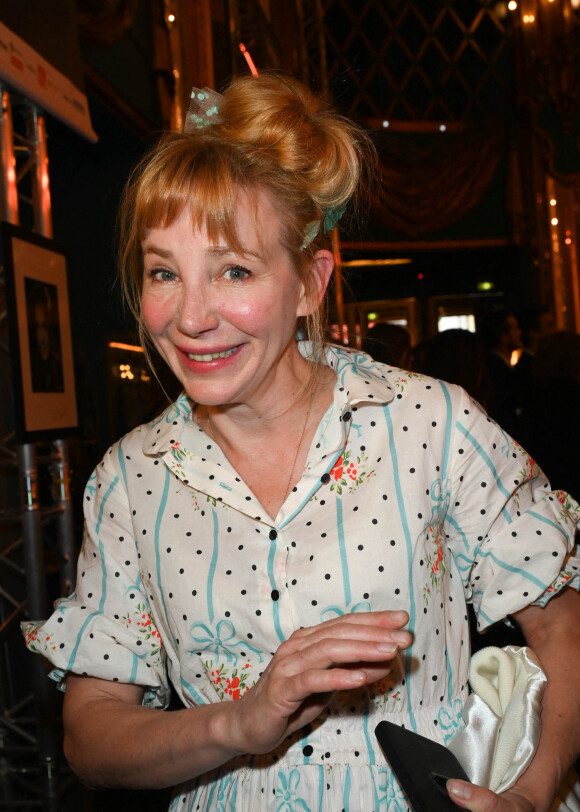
162,275
236,273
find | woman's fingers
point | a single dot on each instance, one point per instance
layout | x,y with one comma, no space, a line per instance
478,799
384,620
378,627
341,654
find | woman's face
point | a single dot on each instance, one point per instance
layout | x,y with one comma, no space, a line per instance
224,322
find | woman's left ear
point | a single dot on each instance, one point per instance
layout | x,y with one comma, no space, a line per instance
321,269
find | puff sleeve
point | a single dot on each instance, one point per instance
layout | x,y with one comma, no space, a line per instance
510,533
105,628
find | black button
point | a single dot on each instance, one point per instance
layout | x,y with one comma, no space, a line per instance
346,416
272,534
275,595
308,750
325,478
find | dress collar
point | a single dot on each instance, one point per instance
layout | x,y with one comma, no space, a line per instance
359,379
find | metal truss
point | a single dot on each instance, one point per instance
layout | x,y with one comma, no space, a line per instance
35,511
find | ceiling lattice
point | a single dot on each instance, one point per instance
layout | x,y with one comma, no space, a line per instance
410,60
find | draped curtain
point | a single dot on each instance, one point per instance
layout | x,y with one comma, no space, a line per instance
428,182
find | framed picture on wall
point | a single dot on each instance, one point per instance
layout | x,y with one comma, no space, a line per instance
35,270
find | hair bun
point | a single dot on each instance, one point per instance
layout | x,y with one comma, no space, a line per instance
298,132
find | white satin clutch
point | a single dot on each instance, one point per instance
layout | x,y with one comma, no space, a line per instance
502,722
501,715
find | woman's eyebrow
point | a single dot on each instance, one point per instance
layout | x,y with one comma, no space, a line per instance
155,249
214,250
224,250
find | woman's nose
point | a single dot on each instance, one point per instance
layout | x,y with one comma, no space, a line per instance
197,311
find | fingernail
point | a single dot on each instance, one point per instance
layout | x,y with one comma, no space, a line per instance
460,789
388,648
401,637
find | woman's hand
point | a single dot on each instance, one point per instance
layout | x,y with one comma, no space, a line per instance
341,654
478,799
110,734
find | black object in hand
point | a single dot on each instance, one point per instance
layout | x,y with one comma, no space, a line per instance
422,767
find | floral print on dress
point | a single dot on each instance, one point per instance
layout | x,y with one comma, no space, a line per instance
38,641
564,578
384,693
404,377
139,619
570,511
435,560
230,683
347,473
530,470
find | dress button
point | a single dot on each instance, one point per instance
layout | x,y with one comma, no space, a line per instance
275,595
272,534
346,416
325,478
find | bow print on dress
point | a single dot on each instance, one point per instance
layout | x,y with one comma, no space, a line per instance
210,640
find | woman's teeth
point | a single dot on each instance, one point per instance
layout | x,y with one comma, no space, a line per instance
209,356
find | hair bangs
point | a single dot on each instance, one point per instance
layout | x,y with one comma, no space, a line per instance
196,174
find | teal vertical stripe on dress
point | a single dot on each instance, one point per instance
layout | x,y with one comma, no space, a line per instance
133,675
368,738
121,459
157,536
304,743
405,524
108,492
446,449
448,424
549,522
192,804
343,555
212,568
485,457
275,604
200,700
455,526
212,790
449,676
320,786
234,795
510,568
81,633
346,792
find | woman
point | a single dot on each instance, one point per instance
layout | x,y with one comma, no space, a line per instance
262,545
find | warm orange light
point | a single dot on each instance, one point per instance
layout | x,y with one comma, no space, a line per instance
117,345
249,60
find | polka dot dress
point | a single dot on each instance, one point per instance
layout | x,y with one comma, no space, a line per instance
411,498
